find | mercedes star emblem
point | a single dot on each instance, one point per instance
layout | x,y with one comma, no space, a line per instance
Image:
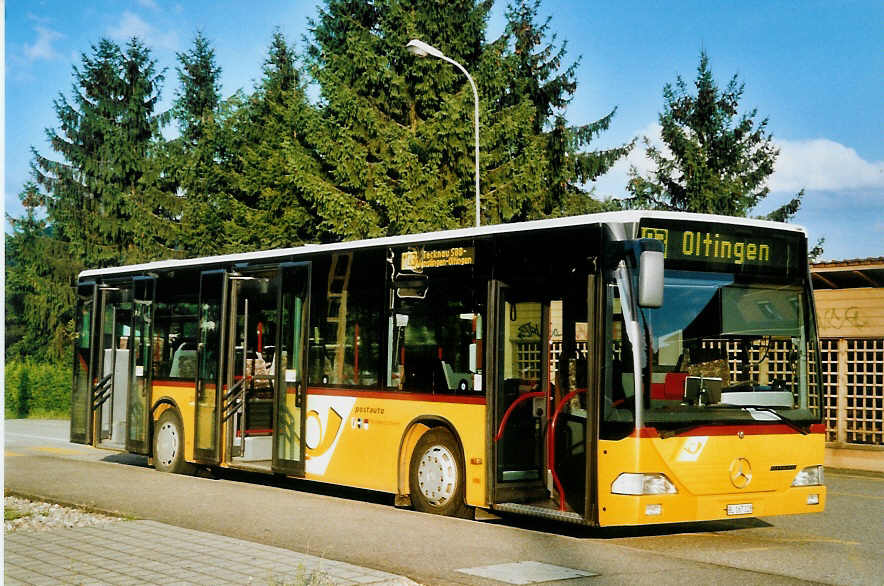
741,472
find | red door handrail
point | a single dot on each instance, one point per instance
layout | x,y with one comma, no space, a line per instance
552,444
509,410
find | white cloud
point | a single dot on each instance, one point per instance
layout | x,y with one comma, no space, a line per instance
613,183
823,165
42,47
132,25
148,4
816,165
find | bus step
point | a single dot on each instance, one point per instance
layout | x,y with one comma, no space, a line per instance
543,512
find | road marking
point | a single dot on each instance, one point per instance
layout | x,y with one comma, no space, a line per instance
809,540
862,496
43,438
9,454
856,476
526,572
59,450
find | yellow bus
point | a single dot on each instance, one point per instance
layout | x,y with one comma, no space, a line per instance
611,369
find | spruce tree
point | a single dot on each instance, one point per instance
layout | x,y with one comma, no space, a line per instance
199,94
107,132
716,160
270,164
194,159
543,168
394,136
39,271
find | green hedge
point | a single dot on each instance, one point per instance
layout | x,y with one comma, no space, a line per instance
37,389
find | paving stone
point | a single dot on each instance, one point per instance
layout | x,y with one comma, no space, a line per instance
139,552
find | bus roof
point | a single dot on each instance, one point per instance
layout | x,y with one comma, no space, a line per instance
624,217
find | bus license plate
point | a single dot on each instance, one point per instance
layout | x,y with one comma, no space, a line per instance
741,509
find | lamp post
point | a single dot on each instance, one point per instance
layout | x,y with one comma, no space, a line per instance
421,49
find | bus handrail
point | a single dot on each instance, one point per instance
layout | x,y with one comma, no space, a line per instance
101,391
233,403
512,406
552,444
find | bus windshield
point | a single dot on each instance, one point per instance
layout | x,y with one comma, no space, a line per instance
720,349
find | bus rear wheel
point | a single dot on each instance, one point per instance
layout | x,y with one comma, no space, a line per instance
436,476
168,444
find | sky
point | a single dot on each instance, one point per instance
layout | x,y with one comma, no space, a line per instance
815,69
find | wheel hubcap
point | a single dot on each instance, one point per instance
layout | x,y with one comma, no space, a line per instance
437,475
167,444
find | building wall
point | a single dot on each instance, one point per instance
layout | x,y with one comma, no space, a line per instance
851,329
850,313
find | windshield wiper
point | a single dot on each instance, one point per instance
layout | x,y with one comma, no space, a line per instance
779,416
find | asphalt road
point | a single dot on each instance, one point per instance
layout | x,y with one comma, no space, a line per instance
843,545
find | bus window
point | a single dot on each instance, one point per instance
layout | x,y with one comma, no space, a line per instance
174,341
345,332
435,333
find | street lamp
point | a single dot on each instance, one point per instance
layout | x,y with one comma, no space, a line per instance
419,48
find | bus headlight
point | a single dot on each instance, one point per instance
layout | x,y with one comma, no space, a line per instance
810,476
633,483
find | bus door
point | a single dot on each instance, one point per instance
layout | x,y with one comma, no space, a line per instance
110,393
85,375
543,417
251,381
520,395
288,411
138,418
210,362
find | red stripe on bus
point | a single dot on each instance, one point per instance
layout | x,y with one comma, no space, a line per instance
397,396
645,432
255,432
175,383
817,428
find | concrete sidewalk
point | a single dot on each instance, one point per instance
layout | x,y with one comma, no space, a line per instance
855,459
147,552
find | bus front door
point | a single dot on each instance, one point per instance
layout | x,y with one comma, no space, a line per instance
541,398
520,400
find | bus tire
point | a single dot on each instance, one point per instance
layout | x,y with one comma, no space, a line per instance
168,444
436,474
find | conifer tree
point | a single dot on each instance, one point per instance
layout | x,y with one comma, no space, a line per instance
717,160
394,138
271,165
545,167
394,134
38,276
197,99
194,159
95,194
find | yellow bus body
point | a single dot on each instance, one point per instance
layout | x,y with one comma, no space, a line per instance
700,467
373,438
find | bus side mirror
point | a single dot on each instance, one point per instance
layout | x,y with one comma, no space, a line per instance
650,274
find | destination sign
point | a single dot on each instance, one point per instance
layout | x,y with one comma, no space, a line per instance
420,258
722,247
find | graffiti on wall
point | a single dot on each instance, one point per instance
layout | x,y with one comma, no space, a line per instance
836,318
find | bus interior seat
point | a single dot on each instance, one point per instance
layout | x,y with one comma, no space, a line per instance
457,381
183,362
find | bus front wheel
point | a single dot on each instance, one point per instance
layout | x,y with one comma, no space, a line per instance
168,444
436,476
